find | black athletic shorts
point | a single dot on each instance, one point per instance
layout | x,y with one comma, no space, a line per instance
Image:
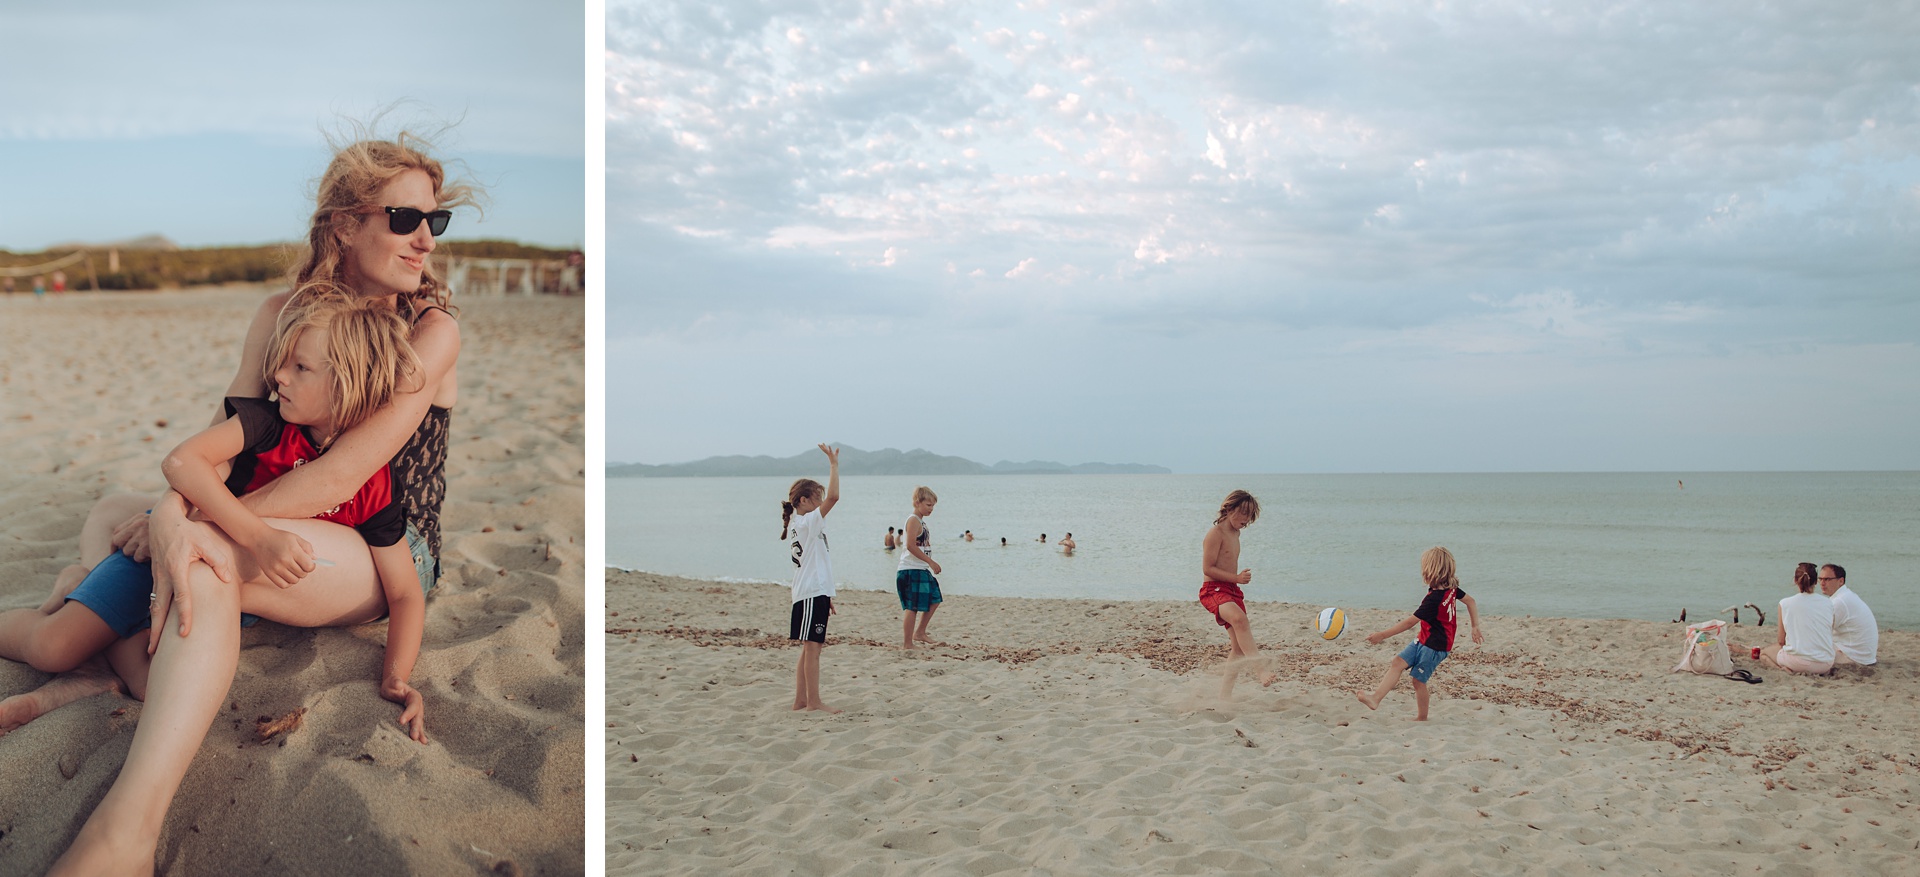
810,619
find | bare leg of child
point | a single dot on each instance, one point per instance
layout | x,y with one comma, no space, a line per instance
800,680
129,660
87,680
1240,632
920,630
810,653
1420,698
63,584
906,629
1387,681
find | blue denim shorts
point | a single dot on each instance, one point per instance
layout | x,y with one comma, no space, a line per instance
118,587
1421,661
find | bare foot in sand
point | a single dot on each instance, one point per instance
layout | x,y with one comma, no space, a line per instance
823,708
1267,678
923,638
1371,704
63,584
86,681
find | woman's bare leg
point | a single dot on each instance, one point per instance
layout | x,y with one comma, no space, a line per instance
190,677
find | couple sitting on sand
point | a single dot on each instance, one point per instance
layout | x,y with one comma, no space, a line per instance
1221,595
1824,629
361,355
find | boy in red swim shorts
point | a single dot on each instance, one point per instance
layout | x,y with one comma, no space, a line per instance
1219,557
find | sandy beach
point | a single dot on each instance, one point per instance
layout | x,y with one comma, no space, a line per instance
97,388
1082,737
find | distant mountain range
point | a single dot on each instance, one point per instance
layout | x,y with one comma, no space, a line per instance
886,461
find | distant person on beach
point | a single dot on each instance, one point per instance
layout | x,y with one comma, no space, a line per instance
39,286
968,536
1805,645
812,588
1436,619
380,205
892,542
59,282
1856,636
1220,592
1067,544
914,579
1043,539
1003,542
337,360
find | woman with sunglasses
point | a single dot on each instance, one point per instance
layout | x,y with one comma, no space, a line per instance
380,205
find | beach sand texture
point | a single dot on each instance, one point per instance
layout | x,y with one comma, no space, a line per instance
1078,737
97,388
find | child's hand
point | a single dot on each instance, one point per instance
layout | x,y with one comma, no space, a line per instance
1245,576
934,565
1377,637
284,557
1476,635
833,453
413,707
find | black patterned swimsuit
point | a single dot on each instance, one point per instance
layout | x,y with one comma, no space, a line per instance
420,471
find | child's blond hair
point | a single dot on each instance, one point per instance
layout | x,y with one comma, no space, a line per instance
1237,500
924,493
367,349
1436,566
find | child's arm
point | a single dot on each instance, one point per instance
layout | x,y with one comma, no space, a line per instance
1391,632
913,544
833,480
193,469
406,625
1210,548
1473,615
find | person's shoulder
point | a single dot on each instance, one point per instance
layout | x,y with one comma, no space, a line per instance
272,304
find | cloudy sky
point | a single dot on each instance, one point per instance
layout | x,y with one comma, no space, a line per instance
204,121
1268,237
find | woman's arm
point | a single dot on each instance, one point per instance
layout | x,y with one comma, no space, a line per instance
359,452
406,626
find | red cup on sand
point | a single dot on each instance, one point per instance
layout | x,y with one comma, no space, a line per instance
1756,653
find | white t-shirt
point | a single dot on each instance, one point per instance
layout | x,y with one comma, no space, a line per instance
907,560
1808,620
807,544
1855,634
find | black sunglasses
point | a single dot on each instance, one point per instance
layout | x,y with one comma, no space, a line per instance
403,220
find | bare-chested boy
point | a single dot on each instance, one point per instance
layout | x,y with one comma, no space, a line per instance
1220,556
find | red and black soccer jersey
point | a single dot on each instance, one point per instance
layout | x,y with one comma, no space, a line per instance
274,447
1437,619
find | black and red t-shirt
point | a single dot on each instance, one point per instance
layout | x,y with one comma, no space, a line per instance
274,447
1437,618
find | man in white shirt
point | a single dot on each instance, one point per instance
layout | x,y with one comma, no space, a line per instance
1856,637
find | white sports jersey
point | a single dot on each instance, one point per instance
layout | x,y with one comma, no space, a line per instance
807,545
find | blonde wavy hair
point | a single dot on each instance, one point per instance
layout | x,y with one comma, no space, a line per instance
361,165
367,349
1436,567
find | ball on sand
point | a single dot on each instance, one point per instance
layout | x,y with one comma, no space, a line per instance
1331,622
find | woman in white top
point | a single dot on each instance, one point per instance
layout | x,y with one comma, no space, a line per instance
1806,629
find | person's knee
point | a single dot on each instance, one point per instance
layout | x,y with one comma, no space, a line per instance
50,651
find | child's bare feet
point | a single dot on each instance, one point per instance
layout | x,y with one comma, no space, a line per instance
923,638
823,708
85,681
1371,703
63,584
1267,678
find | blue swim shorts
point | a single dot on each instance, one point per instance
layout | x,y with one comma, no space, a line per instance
919,590
1421,661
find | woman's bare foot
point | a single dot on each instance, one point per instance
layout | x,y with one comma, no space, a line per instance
63,584
84,681
1371,703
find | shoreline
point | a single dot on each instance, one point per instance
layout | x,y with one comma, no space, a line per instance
1082,736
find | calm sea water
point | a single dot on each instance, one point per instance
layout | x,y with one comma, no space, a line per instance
1567,545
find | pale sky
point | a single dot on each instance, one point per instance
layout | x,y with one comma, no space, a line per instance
205,121
1268,237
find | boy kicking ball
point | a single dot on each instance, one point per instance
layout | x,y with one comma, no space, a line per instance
1221,595
1436,619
